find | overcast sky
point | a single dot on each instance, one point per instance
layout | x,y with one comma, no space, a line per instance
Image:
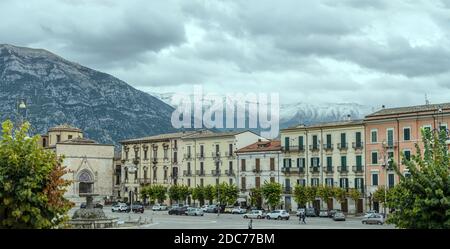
368,52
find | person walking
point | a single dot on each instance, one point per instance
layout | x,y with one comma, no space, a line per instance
303,217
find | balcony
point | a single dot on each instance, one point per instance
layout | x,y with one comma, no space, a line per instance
390,145
328,169
314,147
229,154
300,149
144,181
187,157
200,172
314,169
154,160
229,172
343,146
358,145
328,147
287,190
201,156
293,170
187,173
358,169
215,155
343,169
215,172
257,170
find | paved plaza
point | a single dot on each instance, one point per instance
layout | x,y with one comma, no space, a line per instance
162,220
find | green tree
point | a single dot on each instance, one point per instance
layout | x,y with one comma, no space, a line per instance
340,194
232,193
300,195
355,195
31,183
272,193
146,193
174,193
183,193
256,197
198,193
325,193
422,200
311,194
159,193
379,195
209,193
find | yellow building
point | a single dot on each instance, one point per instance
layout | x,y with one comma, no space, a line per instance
329,154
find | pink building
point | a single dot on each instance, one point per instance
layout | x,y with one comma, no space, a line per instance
392,133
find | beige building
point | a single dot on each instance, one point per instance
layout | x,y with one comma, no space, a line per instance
156,159
258,163
86,160
329,154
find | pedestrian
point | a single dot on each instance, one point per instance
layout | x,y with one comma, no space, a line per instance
250,224
303,217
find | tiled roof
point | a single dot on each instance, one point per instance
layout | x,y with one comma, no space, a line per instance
409,109
271,145
327,124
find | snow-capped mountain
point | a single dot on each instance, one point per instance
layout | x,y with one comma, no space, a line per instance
58,91
302,113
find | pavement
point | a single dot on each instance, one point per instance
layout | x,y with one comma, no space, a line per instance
162,220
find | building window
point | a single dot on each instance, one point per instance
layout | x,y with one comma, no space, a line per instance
272,164
328,140
189,182
391,180
175,157
407,154
201,182
230,149
257,164
302,182
189,152
145,154
374,179
374,136
406,134
257,182
231,181
230,167
44,142
358,139
301,144
343,140
358,161
329,182
166,156
344,161
315,142
359,183
58,138
442,127
69,137
154,173
374,157
390,137
202,151
243,184
315,182
343,183
202,170
427,127
315,161
286,143
243,165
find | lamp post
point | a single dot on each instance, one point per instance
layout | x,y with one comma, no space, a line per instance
386,174
132,168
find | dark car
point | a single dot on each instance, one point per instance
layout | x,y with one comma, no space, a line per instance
212,209
138,208
178,211
311,212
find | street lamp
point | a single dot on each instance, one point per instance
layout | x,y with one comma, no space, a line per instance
384,144
132,168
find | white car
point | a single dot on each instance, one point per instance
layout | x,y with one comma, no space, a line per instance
204,208
238,210
369,213
159,207
194,211
254,214
278,214
121,207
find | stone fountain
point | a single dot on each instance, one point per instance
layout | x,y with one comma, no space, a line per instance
90,217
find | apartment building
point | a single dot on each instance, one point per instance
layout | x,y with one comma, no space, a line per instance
392,133
330,154
210,158
258,163
150,160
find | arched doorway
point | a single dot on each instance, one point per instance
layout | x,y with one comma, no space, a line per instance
85,182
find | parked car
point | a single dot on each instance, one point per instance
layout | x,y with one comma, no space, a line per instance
254,214
323,213
138,208
204,208
311,212
339,216
373,219
332,212
159,207
228,209
278,214
238,210
370,212
120,207
178,211
299,211
212,209
194,211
